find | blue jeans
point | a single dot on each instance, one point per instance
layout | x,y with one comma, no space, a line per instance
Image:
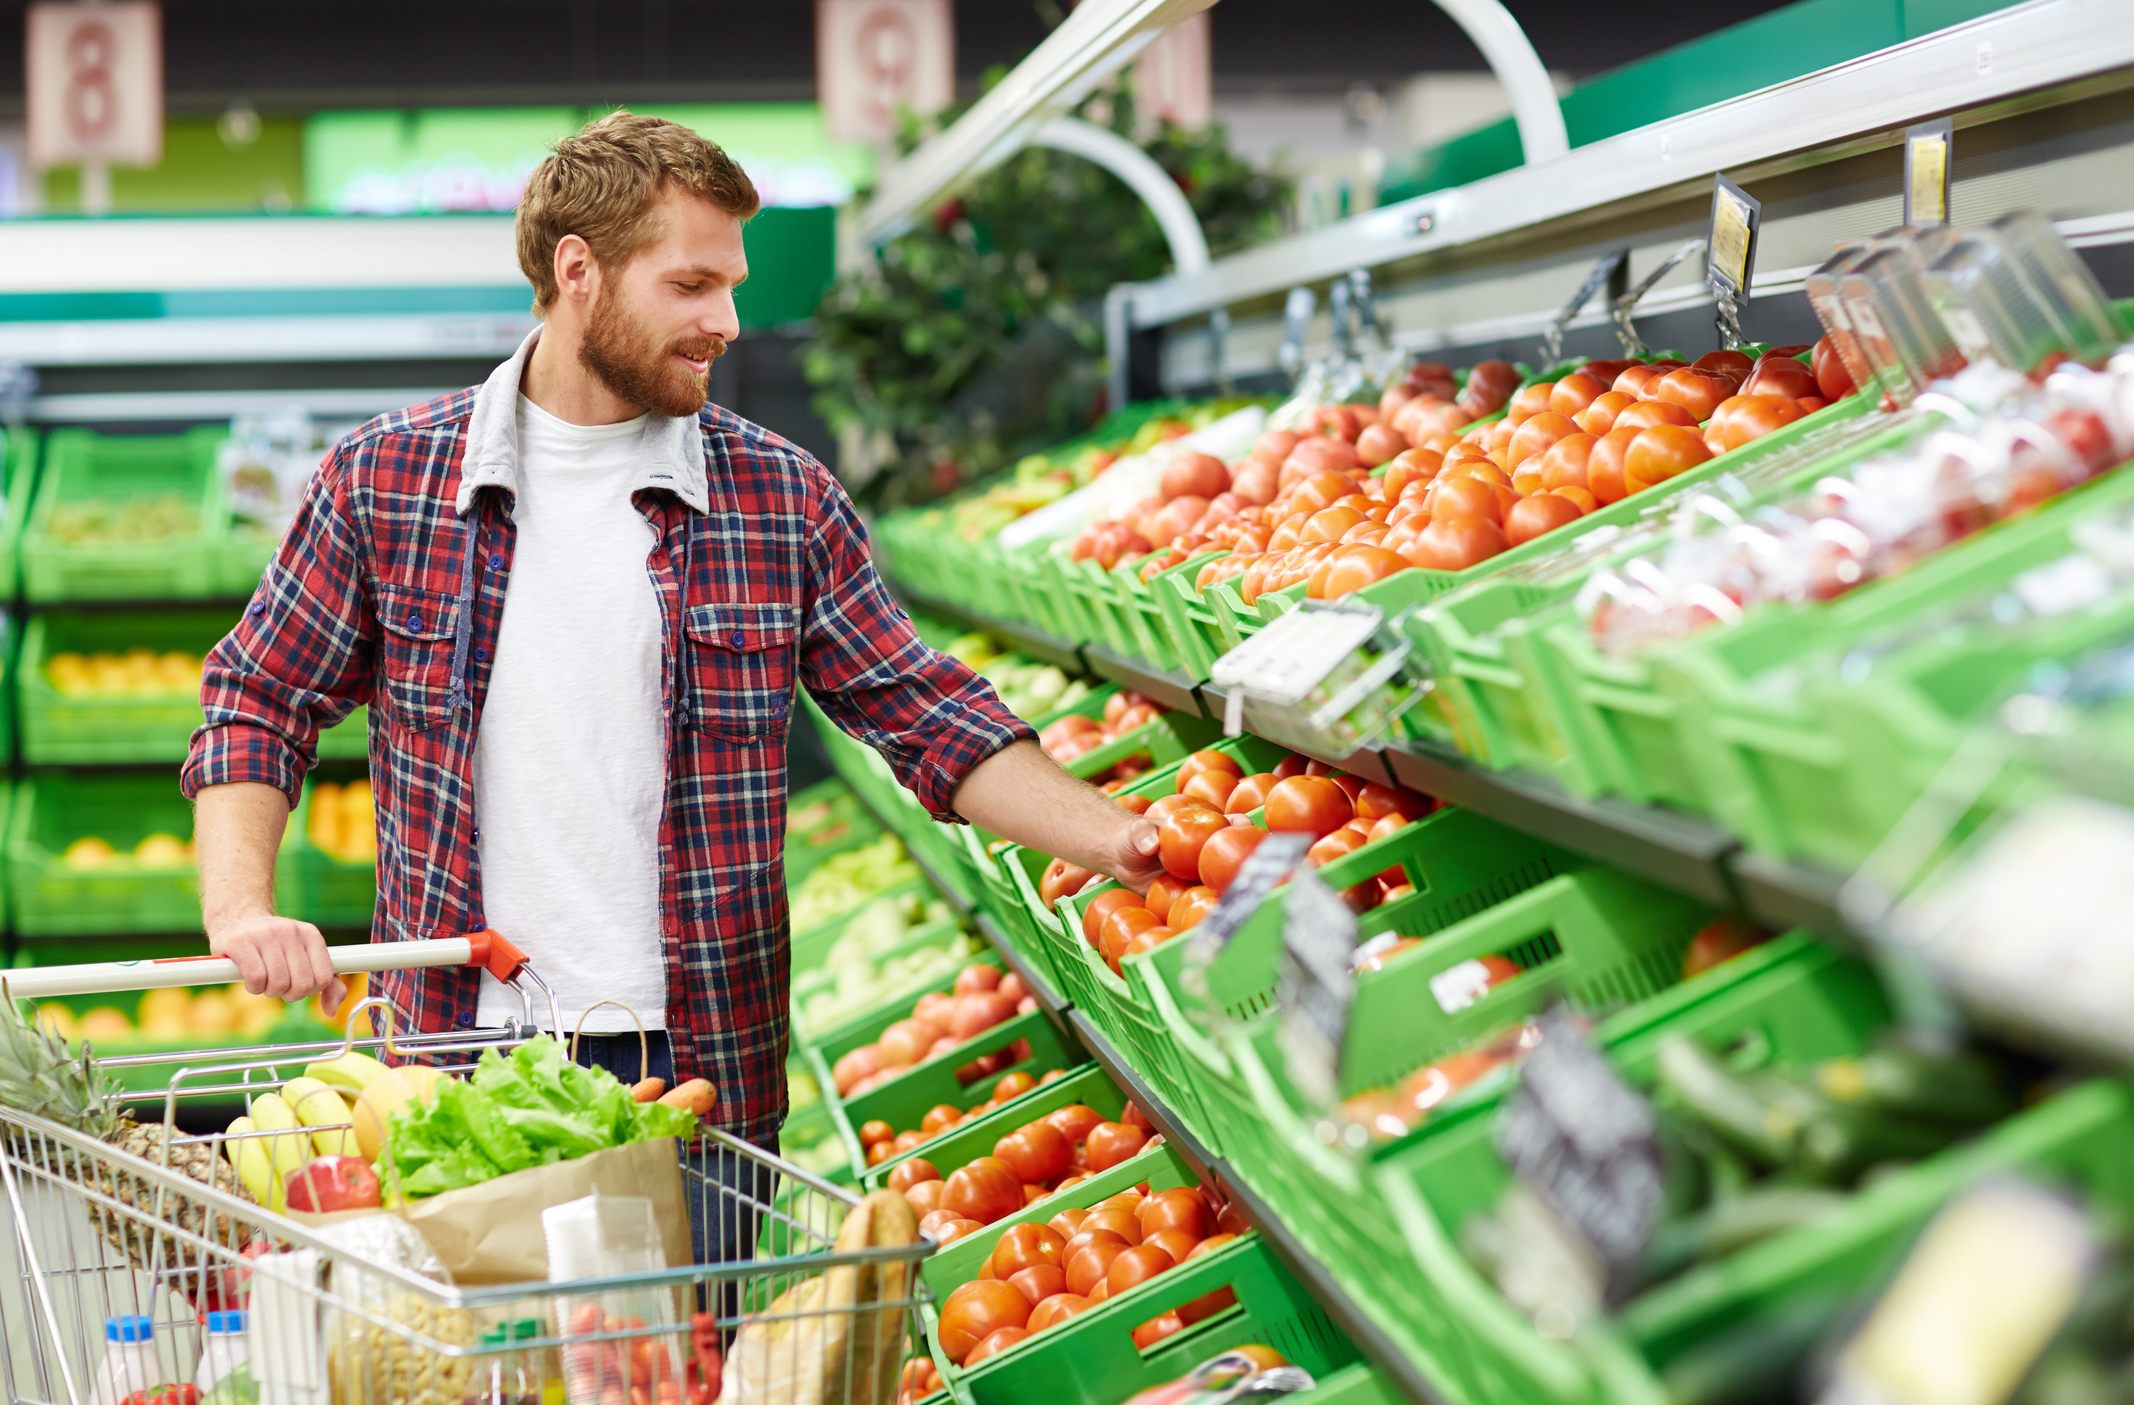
723,1217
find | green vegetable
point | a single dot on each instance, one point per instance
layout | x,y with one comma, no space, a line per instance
531,1109
1963,1089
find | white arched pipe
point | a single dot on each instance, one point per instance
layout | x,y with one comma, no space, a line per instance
1512,58
1173,212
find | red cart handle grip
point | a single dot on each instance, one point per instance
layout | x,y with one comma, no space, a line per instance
494,953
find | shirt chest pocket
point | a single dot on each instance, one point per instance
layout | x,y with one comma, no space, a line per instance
741,659
415,655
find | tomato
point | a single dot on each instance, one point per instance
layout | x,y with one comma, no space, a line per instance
1291,765
1341,843
1179,840
983,1191
1319,492
1061,878
1537,434
1781,376
976,1310
1574,392
1036,1152
1206,1305
1027,1246
1375,801
1132,804
1359,566
1731,365
1458,543
940,1117
924,1197
1015,1084
1170,1324
1531,517
1069,1221
1167,806
911,1173
1102,906
1090,1266
1211,787
1074,1121
1599,417
1251,792
1582,498
1162,894
1755,416
1177,1209
1055,1310
996,1343
1378,443
1113,1142
1647,413
1137,1266
1194,475
1831,376
1308,805
1634,378
1698,392
1223,854
1194,905
1717,943
1565,462
1604,466
1463,497
876,1131
1660,453
1414,466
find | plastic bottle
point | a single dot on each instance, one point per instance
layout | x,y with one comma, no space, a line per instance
504,1376
129,1363
225,1350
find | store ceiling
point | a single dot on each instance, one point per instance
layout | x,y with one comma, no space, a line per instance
429,53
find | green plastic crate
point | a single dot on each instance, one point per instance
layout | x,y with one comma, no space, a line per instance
1189,623
313,885
82,467
1029,921
1089,1085
52,810
1092,1360
1817,1009
848,826
1461,864
18,482
1768,764
811,950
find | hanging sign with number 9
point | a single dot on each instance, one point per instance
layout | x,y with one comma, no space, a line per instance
95,91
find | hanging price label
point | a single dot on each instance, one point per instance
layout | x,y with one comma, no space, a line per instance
1926,172
1317,986
1586,1144
1260,874
1730,253
1604,271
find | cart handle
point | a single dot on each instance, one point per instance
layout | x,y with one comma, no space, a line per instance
485,949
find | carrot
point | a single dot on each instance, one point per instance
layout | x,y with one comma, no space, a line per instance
697,1096
647,1090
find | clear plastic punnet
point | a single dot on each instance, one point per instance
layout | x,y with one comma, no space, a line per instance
1894,321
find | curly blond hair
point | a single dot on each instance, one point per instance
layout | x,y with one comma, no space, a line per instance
602,183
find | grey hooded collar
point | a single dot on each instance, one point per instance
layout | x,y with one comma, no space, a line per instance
673,445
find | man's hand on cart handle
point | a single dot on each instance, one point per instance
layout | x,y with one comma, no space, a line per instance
278,956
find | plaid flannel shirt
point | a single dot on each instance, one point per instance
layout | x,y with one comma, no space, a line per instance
389,589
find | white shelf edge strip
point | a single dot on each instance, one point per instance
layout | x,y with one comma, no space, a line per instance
130,405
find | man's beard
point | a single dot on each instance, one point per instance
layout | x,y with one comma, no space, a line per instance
619,350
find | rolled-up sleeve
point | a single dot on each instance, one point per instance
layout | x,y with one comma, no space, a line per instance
298,661
929,716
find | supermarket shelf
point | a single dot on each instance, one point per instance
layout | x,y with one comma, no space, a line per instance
1673,849
1388,1358
1791,893
1975,70
1033,980
1167,686
114,407
1370,764
1026,640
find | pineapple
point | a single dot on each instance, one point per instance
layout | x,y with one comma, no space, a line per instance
38,1076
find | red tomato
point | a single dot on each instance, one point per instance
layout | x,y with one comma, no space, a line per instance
1162,894
1376,801
1179,841
1574,392
1222,855
1463,497
1037,1152
1206,1305
1565,462
1170,1324
1340,844
1289,766
1660,453
984,1191
1406,470
1207,760
1604,466
1055,1310
1528,401
1308,805
1061,878
1582,498
939,1118
1026,1246
1194,475
1178,1208
924,1197
1718,943
1251,792
910,1173
1781,375
1378,443
1113,1142
1756,415
1137,1266
1359,566
1015,1084
1178,1243
1194,905
1828,368
1132,804
1212,1243
1089,1267
1634,378
1167,806
1074,1122
1732,365
976,1310
1122,924
996,1343
1599,417
1537,434
1698,392
1211,787
1534,516
1457,543
1102,906
1647,413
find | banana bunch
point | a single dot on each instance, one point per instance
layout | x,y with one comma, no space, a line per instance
317,1101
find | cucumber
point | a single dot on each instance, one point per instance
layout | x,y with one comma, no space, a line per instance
1965,1090
1743,1108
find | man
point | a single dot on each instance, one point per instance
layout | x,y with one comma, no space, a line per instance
578,600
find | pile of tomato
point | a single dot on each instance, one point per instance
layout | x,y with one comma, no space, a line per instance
939,1024
1075,736
1042,1157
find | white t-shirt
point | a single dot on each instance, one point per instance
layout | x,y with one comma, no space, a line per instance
570,765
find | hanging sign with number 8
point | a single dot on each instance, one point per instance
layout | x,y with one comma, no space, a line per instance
95,90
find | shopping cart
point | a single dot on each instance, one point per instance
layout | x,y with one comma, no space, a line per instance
164,1232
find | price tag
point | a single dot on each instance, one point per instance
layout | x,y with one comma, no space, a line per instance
1730,253
1317,985
1604,271
1260,874
1585,1143
1926,172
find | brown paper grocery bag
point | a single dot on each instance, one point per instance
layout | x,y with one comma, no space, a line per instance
491,1233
